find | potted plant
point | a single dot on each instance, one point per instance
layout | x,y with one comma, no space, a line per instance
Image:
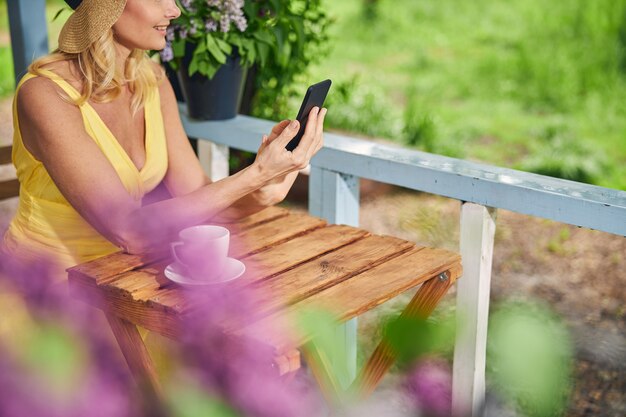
210,46
301,32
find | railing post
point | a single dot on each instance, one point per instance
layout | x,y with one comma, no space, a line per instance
29,33
214,159
478,225
335,197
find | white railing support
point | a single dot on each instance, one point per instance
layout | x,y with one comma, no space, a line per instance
214,159
335,197
478,226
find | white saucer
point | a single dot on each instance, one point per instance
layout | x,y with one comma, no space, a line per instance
233,269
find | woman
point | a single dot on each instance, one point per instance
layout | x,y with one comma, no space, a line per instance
97,127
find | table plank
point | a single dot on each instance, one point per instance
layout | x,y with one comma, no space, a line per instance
139,285
280,258
109,267
154,317
357,295
330,269
269,234
264,216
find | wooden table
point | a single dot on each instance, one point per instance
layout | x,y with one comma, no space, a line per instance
301,260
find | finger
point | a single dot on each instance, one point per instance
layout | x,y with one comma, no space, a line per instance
309,132
320,121
319,132
278,128
314,137
288,133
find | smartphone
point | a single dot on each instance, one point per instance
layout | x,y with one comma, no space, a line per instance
315,96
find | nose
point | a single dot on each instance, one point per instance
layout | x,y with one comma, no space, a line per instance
172,11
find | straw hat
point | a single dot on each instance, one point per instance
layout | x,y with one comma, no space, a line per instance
91,18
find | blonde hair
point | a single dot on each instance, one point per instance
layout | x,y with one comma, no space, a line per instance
102,81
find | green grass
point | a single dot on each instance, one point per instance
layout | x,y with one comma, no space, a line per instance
526,84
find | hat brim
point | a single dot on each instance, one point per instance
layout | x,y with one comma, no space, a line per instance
89,21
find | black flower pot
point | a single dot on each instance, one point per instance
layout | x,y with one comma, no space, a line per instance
172,76
217,98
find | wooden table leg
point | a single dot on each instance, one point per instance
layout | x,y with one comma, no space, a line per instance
139,361
422,304
320,365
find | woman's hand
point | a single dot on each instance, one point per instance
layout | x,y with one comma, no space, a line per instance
274,162
278,166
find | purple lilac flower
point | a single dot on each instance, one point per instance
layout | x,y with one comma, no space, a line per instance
236,369
230,11
104,381
224,23
211,26
239,369
183,33
241,23
171,33
167,54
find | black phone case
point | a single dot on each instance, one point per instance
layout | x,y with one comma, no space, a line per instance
315,96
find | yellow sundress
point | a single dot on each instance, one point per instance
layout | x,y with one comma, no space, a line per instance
45,223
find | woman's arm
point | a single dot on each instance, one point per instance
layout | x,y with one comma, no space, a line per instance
185,174
54,133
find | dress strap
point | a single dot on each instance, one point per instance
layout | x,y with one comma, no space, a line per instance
61,82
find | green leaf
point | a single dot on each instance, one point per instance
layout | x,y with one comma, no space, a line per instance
193,65
224,46
284,55
203,67
178,46
280,37
300,35
215,50
264,51
211,70
323,328
410,338
264,37
190,399
61,10
200,47
276,5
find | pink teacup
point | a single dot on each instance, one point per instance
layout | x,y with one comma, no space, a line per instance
203,251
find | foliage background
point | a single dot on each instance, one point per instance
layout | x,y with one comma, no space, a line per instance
527,84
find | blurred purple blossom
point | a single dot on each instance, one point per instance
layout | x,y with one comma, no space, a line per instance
170,35
167,54
216,14
236,369
105,382
429,384
211,26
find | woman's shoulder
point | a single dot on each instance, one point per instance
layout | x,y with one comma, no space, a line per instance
45,74
41,92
